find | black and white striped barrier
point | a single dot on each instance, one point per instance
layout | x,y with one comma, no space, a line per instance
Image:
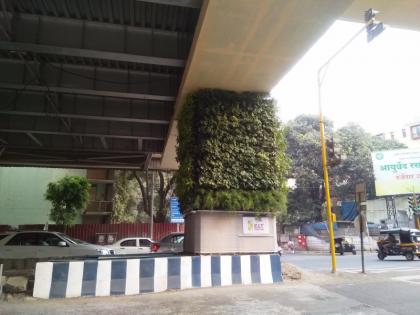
135,276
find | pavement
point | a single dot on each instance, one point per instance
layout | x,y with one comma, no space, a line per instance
394,290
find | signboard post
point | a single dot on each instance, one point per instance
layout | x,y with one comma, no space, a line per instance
361,202
176,215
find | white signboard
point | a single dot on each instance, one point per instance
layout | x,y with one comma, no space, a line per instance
254,225
396,171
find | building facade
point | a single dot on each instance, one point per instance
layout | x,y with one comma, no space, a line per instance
408,134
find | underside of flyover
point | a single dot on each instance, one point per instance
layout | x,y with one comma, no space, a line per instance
100,83
90,83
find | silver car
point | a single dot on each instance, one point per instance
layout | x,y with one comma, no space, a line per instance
172,243
45,244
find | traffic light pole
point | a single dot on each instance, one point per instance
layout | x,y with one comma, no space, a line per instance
321,76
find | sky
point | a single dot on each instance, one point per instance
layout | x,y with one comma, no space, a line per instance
376,84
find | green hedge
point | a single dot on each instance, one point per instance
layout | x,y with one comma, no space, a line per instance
231,152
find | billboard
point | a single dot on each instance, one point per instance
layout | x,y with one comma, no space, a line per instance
397,172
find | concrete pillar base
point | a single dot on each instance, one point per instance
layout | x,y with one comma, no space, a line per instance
227,232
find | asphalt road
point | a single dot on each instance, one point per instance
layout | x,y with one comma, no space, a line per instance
352,263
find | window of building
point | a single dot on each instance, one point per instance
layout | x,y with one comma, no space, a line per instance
404,133
415,132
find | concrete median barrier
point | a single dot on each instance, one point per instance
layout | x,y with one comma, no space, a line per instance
145,275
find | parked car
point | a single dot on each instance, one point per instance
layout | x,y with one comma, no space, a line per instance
172,243
132,245
45,244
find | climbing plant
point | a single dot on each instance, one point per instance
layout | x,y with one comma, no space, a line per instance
231,151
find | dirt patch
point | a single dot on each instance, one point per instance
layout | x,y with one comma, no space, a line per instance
294,274
291,272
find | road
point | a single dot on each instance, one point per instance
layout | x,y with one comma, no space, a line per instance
352,263
389,287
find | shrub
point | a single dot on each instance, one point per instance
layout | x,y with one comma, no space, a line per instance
68,197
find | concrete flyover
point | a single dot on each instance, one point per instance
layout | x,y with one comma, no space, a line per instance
100,83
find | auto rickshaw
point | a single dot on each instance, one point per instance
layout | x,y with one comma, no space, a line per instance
399,242
343,245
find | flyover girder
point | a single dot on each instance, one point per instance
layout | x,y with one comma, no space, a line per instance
82,79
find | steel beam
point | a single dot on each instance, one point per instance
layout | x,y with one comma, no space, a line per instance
34,139
93,135
74,151
87,117
104,143
41,88
88,53
196,4
117,157
73,164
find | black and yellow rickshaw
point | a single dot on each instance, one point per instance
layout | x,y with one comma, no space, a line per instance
344,245
399,242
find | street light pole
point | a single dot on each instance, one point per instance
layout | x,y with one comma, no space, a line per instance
321,75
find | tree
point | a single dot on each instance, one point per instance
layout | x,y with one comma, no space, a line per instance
356,146
304,150
165,182
68,197
125,198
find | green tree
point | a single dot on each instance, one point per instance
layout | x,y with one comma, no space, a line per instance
304,150
68,197
164,182
125,198
356,146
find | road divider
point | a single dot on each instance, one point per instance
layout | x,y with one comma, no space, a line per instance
144,275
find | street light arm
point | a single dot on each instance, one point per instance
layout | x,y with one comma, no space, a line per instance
326,63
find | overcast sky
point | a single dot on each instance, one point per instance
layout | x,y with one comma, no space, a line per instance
376,85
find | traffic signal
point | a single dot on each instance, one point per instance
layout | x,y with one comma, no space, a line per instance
373,28
334,158
414,203
330,148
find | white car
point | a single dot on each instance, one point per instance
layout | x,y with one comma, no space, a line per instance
45,244
132,245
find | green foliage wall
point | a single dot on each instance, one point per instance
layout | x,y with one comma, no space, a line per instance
231,151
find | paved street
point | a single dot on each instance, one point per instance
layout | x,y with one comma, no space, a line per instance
390,287
352,263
